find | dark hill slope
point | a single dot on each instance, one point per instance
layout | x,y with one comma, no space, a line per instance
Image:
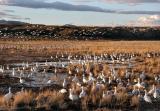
69,32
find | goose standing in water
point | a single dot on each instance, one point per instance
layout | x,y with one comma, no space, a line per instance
147,98
75,79
139,84
64,83
13,72
63,90
22,81
84,79
72,96
8,96
155,94
7,67
152,90
70,72
49,81
83,93
2,69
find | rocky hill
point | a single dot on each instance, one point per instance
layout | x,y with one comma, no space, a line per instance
71,32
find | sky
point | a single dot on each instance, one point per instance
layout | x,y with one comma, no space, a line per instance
83,12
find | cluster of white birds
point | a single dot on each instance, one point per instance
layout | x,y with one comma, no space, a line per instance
83,77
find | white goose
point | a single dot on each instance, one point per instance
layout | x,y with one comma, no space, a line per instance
75,79
7,67
84,79
64,83
69,72
8,96
91,78
46,63
152,90
83,93
18,69
104,95
2,69
115,91
27,65
49,81
55,70
22,81
21,73
147,98
155,94
37,65
13,72
139,84
72,96
63,91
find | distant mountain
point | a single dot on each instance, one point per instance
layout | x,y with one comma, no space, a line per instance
70,25
6,22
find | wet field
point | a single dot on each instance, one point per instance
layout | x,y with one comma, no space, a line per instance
43,72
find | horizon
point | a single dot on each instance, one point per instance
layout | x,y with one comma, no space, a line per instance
83,12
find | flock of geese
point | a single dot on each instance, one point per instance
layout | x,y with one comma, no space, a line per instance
81,82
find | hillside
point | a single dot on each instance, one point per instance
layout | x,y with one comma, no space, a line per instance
71,32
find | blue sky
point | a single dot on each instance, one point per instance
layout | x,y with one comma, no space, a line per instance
82,12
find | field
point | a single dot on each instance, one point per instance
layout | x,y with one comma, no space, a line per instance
26,50
79,75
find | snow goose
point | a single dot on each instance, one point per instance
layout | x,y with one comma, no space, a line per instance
2,69
55,70
83,93
64,84
7,67
63,91
139,84
72,96
22,81
156,93
49,81
91,77
84,79
147,98
75,79
8,96
13,72
70,72
115,91
152,90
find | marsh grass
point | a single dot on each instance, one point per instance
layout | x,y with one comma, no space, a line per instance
50,99
23,99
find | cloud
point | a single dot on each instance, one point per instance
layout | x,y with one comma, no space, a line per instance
54,5
140,12
152,20
4,14
133,1
8,14
36,4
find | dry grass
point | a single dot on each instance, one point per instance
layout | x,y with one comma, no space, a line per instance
50,99
23,99
135,101
82,46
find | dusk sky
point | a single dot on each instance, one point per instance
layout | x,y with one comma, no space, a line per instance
82,12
